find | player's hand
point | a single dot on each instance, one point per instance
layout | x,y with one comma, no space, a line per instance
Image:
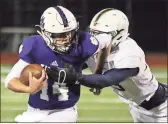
63,75
37,84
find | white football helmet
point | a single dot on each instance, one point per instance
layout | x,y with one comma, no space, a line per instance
58,22
110,21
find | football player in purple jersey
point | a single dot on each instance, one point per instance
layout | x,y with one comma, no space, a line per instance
59,44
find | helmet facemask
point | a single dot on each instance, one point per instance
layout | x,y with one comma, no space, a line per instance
96,32
115,35
59,42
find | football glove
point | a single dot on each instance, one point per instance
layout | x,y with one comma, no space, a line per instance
66,75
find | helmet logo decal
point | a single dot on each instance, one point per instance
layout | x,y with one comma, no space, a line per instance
63,17
104,11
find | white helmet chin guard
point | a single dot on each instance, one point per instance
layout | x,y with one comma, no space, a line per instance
110,21
54,22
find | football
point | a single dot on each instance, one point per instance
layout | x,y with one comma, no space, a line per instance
36,70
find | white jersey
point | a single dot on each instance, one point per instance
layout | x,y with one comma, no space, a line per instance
138,88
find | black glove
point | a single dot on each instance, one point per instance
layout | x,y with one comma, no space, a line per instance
66,75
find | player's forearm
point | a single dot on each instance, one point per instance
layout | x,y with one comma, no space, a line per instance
111,77
17,86
98,81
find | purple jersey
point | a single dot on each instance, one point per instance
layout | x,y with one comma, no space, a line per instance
56,95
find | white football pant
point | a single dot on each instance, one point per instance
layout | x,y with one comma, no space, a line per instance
37,115
157,114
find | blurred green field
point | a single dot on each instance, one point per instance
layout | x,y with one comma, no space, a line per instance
104,108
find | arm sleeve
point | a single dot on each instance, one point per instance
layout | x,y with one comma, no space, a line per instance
16,70
110,77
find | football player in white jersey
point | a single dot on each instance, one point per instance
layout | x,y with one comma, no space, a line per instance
125,70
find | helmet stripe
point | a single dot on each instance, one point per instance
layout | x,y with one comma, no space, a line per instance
63,17
100,14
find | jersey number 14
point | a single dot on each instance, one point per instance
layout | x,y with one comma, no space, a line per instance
58,89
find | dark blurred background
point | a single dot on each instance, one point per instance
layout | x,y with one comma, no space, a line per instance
148,19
